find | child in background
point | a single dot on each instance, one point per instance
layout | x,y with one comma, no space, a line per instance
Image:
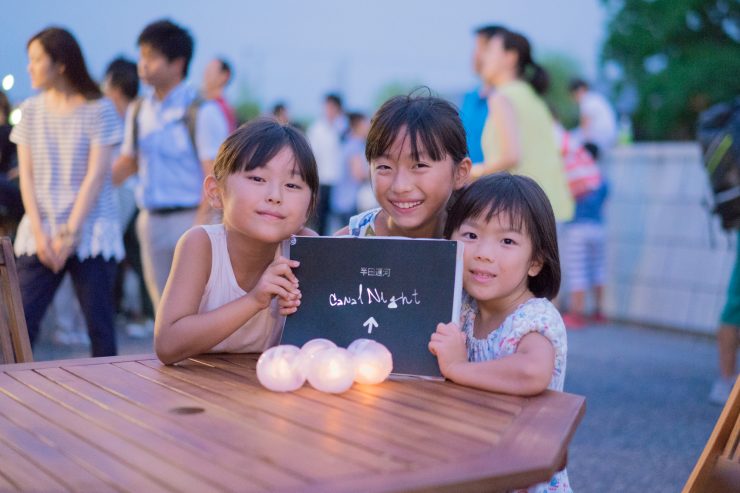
354,173
511,338
417,153
584,245
224,277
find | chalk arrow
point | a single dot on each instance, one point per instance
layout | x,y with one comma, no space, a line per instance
370,323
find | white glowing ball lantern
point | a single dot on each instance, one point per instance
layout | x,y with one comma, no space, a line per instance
332,370
278,369
373,361
310,349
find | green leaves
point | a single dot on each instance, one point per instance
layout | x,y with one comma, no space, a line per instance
681,55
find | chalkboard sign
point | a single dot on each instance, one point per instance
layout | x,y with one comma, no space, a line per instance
393,290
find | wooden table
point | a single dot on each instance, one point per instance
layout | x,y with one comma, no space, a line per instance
131,424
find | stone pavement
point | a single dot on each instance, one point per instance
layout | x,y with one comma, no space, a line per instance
647,415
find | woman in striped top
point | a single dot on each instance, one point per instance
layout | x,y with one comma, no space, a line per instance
65,139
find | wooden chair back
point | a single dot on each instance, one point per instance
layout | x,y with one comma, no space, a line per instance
718,468
15,346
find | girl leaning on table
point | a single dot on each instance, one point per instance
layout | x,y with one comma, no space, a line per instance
219,296
511,338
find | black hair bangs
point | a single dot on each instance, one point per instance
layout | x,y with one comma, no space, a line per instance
431,124
256,143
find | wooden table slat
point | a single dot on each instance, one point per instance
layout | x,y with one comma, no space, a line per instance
320,419
300,434
258,434
358,409
138,433
58,449
121,424
177,432
434,419
25,475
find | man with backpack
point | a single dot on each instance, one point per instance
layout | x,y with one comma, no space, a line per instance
719,136
171,139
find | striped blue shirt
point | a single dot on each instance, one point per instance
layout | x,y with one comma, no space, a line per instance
60,150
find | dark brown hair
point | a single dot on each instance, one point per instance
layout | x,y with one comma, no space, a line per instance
63,49
432,124
527,69
255,143
170,40
528,209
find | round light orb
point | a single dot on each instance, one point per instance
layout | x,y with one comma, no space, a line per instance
332,370
311,349
278,369
373,361
360,344
8,82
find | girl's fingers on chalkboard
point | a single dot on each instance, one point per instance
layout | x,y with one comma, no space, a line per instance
282,266
450,328
288,310
291,263
433,348
287,288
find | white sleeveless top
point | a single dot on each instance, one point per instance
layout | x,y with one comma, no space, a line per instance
259,332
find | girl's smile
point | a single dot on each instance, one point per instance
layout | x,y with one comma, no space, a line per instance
497,258
412,192
482,276
266,204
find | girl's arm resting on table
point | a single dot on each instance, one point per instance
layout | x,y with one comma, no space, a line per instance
506,132
180,331
526,372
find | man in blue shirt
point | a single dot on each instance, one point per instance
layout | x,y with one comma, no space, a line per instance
474,109
171,140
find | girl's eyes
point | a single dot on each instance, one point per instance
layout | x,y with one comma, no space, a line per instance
259,179
382,167
421,165
469,235
508,241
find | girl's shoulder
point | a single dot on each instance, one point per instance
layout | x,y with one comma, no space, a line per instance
537,315
31,105
363,224
538,308
198,239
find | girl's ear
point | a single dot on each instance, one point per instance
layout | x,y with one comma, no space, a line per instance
462,172
535,267
213,192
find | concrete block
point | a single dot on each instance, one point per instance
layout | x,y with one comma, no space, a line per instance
703,314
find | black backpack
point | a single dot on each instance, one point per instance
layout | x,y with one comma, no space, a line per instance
718,132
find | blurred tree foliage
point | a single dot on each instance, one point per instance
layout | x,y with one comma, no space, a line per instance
561,69
247,105
395,88
681,56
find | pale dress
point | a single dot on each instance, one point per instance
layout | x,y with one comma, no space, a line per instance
260,332
535,315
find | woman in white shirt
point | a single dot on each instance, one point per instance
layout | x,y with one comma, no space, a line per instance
65,139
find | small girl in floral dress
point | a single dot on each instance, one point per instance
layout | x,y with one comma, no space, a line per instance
511,338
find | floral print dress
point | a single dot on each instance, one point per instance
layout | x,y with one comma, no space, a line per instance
535,315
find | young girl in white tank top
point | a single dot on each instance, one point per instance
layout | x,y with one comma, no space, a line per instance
225,277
